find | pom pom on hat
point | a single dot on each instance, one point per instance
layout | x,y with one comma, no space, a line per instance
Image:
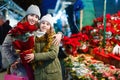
33,9
48,18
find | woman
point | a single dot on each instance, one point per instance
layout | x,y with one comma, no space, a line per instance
45,57
20,41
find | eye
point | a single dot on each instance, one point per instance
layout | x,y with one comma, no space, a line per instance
31,14
43,22
34,15
48,24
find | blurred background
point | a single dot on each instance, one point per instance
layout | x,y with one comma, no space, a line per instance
67,13
70,16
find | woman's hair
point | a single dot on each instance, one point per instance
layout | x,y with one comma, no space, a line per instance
25,19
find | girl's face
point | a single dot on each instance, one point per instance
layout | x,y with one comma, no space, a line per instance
45,26
32,19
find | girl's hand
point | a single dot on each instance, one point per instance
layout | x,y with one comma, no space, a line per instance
29,57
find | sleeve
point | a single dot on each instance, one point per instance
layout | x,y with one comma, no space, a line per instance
8,50
50,55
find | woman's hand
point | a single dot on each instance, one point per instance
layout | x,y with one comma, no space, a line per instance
29,57
14,65
57,38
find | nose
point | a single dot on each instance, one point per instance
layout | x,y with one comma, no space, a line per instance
44,25
34,18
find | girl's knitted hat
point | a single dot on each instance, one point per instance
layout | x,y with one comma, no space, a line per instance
48,18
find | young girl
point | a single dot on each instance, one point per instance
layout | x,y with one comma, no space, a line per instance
45,58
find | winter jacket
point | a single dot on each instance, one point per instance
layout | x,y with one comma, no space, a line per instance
3,32
12,56
47,65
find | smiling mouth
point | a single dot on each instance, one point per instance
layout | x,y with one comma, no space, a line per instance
32,23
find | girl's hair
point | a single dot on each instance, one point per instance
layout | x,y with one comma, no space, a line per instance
48,37
51,30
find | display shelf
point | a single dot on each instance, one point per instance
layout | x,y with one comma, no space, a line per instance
86,67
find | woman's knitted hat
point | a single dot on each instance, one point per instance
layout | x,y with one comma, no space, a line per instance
48,18
33,9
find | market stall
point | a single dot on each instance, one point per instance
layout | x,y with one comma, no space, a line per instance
85,67
90,55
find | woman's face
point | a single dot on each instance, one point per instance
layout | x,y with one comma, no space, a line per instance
45,26
32,19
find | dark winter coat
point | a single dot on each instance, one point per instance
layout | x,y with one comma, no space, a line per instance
3,31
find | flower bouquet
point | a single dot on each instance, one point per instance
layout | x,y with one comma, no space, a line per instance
23,39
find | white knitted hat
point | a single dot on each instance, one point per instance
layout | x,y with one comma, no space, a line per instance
48,18
33,9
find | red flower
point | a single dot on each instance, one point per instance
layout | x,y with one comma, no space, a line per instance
118,13
71,44
87,29
84,37
22,28
108,16
24,47
100,27
110,28
99,19
106,74
20,45
74,35
65,39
